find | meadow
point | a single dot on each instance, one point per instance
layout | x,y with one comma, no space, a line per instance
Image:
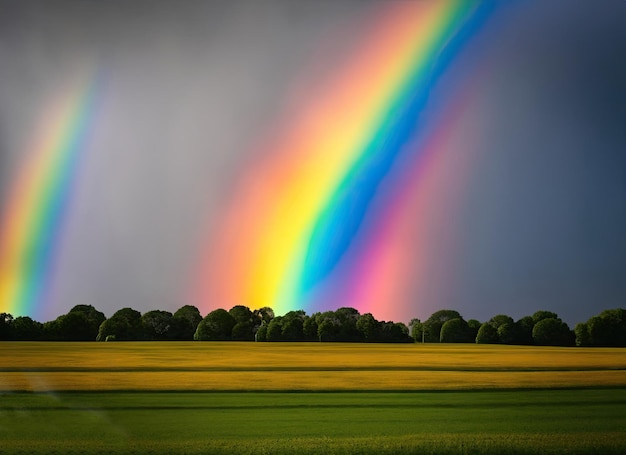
310,398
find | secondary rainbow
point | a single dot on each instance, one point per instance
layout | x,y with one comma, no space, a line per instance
31,229
315,221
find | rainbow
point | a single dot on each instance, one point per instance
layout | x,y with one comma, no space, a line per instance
39,199
327,215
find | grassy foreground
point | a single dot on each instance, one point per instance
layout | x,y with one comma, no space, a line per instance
201,398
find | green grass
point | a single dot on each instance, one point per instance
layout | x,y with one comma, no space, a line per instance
537,421
310,398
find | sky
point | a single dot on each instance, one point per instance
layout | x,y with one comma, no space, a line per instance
193,107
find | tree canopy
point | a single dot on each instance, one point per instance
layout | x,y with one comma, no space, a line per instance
346,324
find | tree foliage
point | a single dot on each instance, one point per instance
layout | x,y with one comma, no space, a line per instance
27,329
499,320
456,331
157,325
368,327
487,334
552,332
124,325
6,326
246,323
606,329
345,324
542,314
432,326
216,326
185,322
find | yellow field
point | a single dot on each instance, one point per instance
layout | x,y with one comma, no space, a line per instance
199,366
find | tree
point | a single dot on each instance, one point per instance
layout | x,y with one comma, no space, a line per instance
525,326
608,328
185,322
243,331
368,327
51,331
309,328
395,332
124,325
328,327
487,334
245,323
432,326
261,334
265,314
455,331
157,324
216,326
542,314
416,329
93,319
581,330
473,325
510,333
293,326
499,320
75,326
6,326
275,329
81,323
27,329
552,332
347,318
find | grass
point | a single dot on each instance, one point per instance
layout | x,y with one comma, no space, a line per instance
314,398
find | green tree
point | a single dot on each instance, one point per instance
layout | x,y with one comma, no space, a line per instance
216,326
309,328
157,324
581,330
368,327
487,334
93,319
510,333
542,314
328,327
275,329
74,326
27,329
261,333
416,329
473,326
608,328
347,318
552,332
455,331
6,326
124,325
245,323
185,322
51,331
293,326
265,314
499,320
395,332
525,326
432,326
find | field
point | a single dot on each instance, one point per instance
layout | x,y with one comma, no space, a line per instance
310,398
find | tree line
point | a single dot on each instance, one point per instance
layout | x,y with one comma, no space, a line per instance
85,323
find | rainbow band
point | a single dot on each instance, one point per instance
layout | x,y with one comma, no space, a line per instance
309,215
343,217
33,218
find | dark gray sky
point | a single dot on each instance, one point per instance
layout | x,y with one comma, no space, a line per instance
189,86
545,219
